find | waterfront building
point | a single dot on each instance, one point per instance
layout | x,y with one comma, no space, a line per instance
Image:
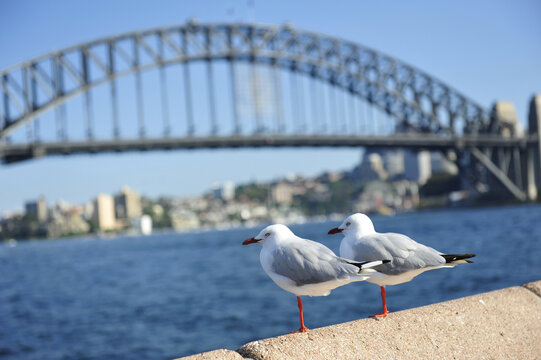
371,167
418,166
104,212
128,204
145,225
224,192
393,162
282,193
183,219
37,208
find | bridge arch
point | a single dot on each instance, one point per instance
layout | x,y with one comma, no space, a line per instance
415,99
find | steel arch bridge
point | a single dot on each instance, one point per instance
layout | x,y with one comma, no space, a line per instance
424,113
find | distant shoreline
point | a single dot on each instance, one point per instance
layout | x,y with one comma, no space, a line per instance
308,220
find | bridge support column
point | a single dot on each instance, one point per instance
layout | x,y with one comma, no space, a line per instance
534,152
499,174
506,165
531,159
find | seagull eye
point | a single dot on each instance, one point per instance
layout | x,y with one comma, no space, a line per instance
267,234
348,223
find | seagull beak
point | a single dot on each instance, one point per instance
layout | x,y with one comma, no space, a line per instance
250,241
335,231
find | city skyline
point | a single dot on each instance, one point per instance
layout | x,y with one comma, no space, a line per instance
213,189
467,46
381,184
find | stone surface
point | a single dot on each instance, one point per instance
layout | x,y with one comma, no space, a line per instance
534,286
501,324
220,354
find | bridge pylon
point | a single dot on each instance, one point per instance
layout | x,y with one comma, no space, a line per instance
515,168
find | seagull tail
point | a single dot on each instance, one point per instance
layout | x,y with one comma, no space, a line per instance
457,258
365,266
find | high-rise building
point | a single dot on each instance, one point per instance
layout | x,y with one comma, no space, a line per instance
393,162
228,191
225,192
425,166
128,204
104,212
37,208
418,166
371,167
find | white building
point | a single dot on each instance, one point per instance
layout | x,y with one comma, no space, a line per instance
145,225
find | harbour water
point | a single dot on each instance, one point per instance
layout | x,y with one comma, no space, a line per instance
169,295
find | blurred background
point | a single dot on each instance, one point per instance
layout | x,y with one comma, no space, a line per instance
146,140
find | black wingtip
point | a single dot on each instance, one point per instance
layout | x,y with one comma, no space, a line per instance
454,257
362,264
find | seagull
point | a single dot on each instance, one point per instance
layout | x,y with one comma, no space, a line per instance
361,242
306,267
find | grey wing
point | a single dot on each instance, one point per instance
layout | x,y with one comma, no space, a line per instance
405,254
310,263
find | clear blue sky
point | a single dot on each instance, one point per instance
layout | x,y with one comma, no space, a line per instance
488,50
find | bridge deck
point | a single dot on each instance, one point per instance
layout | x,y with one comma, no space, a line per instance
18,152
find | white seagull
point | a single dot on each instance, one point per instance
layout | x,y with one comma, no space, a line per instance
361,242
305,267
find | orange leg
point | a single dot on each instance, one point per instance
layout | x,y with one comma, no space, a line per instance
303,328
385,311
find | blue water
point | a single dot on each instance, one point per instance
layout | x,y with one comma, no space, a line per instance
170,295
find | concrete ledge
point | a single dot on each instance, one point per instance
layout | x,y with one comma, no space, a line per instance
220,354
500,324
534,286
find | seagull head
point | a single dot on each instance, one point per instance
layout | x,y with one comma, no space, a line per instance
356,224
271,234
